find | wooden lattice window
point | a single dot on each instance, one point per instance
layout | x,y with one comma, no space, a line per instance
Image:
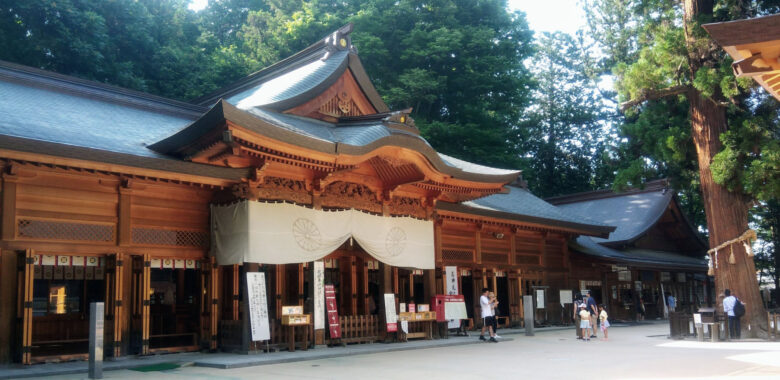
494,258
181,238
46,229
457,255
529,260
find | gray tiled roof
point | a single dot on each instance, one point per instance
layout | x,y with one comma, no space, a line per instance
294,83
42,114
589,246
520,205
521,201
632,213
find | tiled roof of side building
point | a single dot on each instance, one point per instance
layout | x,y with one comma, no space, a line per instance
633,213
644,257
520,205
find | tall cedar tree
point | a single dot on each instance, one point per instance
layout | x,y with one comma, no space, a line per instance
672,74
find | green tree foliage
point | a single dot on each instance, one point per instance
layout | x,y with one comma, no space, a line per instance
458,64
564,133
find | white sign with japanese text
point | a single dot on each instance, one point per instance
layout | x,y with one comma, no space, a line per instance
258,306
319,295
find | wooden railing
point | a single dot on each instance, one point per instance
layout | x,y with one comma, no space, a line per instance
359,328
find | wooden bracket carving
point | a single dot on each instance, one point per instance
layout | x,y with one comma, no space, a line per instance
755,65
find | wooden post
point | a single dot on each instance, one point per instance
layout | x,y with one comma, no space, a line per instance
301,282
236,287
25,263
118,303
213,298
9,207
145,289
8,302
279,289
478,246
437,241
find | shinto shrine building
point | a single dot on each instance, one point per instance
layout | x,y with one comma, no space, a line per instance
158,208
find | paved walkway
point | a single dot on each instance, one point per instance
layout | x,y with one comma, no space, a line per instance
636,351
227,360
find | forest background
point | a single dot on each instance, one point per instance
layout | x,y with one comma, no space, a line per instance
483,86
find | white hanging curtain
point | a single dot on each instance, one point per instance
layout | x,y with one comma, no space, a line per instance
281,233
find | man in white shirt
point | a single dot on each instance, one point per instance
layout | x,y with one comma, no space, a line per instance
487,316
728,308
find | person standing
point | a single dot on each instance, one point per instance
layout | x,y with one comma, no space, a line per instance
487,316
494,306
576,316
671,302
604,322
728,308
585,322
593,308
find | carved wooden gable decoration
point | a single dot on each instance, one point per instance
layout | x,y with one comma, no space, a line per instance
342,98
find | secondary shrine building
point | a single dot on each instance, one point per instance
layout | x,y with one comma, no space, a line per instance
159,208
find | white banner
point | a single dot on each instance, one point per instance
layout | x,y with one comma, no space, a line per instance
452,280
319,295
281,233
258,306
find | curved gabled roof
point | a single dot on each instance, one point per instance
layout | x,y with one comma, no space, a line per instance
332,138
300,77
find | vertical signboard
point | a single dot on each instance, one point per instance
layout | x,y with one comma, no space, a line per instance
451,274
319,295
452,280
390,316
258,306
333,312
540,298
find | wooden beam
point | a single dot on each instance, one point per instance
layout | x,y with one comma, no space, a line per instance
113,168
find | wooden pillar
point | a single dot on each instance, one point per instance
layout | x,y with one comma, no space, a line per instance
124,223
385,287
512,247
429,279
279,289
520,294
9,207
543,253
236,289
301,282
478,246
118,304
353,285
214,296
437,241
8,312
145,303
25,262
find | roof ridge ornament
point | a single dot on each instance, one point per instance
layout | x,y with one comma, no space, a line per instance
339,40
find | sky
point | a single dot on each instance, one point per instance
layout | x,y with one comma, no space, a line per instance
542,15
551,15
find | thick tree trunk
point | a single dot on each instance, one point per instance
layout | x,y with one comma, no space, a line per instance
727,212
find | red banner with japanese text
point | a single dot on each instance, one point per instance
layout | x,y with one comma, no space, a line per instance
333,312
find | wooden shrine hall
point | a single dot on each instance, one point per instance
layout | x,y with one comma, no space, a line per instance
160,208
654,252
